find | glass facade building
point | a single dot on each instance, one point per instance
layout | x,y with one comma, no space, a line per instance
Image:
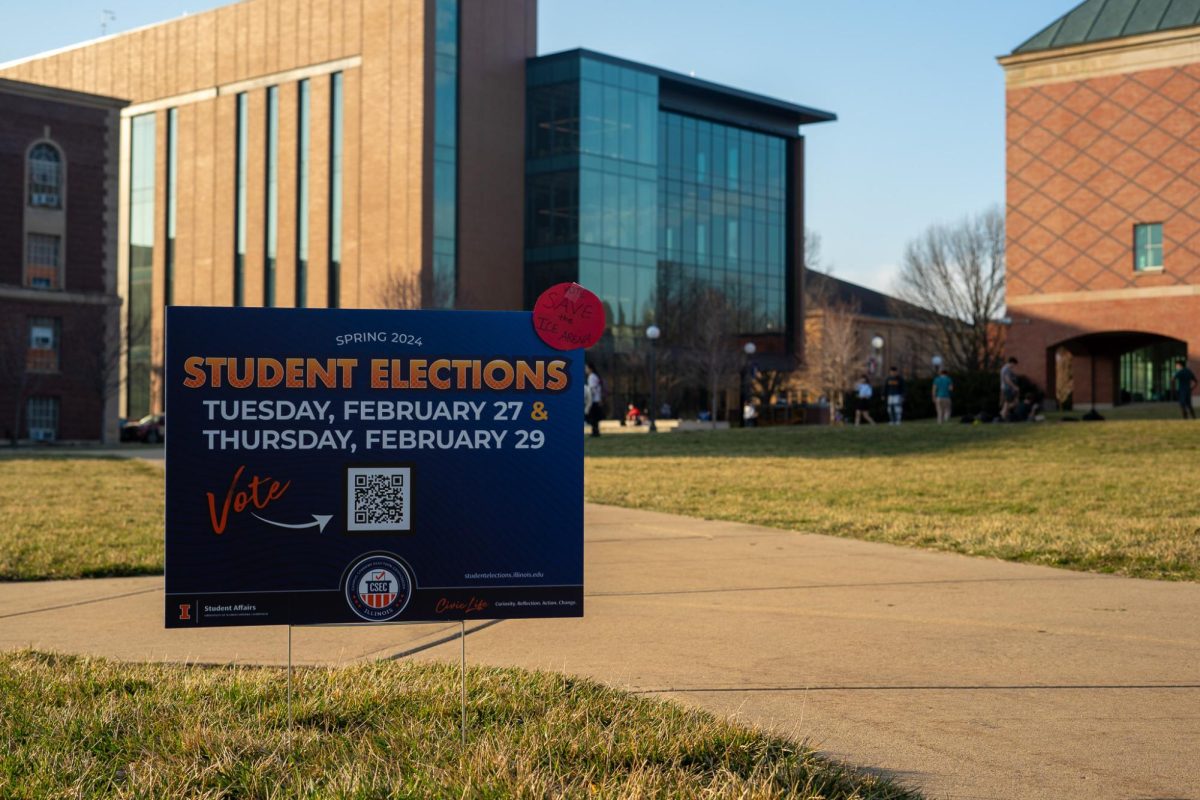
641,182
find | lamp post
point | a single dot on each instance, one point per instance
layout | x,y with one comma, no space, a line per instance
652,333
937,365
749,348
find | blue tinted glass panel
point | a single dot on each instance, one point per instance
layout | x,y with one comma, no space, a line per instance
172,202
239,213
336,113
302,145
141,263
724,224
445,140
272,196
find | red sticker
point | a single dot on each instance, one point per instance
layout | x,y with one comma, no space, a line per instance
568,316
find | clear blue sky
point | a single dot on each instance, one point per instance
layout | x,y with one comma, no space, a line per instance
915,85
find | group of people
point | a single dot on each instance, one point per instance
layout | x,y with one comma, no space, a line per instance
1013,407
593,402
893,392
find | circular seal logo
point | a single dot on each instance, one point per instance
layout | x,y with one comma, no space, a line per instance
378,588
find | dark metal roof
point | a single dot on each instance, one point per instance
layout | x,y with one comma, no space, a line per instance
1102,20
692,95
864,301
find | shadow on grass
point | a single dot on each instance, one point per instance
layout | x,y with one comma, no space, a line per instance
919,438
29,453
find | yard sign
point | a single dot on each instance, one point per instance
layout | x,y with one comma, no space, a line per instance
330,466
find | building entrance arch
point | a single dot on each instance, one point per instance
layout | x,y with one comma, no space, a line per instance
1115,367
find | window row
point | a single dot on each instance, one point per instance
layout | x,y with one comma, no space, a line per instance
699,151
594,208
594,119
719,240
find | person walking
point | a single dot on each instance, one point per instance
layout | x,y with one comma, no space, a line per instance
943,390
893,390
593,407
1185,384
862,401
750,414
1009,391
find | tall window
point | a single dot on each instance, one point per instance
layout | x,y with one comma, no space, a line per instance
272,237
1147,247
43,261
43,345
302,114
45,176
42,418
172,160
445,155
239,218
141,260
335,188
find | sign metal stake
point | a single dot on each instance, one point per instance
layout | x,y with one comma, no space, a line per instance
463,677
289,696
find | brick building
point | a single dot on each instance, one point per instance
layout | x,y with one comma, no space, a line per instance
59,352
378,153
1103,181
288,153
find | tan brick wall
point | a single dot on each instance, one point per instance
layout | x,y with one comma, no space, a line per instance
383,136
195,63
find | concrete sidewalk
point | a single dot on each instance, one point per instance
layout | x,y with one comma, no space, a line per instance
968,678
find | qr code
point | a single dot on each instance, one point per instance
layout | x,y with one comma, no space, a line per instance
379,498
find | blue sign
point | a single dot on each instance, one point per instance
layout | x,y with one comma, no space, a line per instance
333,465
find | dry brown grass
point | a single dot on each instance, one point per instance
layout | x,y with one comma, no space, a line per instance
1105,497
79,518
96,729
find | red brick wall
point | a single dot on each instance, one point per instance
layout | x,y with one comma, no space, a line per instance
78,381
1088,160
82,134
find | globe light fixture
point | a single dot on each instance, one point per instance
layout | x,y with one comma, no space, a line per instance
937,361
877,343
750,348
652,333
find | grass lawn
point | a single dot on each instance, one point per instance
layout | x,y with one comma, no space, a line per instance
1117,496
97,729
79,517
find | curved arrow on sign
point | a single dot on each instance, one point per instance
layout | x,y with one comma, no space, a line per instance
319,521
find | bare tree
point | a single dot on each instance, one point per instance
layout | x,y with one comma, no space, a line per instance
409,290
713,355
100,351
18,382
833,350
812,250
955,274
